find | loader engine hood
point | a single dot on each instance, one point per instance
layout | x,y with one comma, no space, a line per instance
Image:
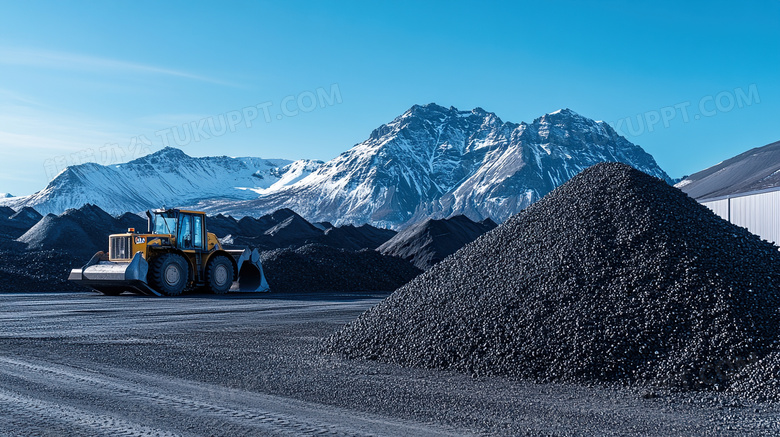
122,247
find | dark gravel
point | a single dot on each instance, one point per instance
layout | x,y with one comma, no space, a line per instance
37,271
614,277
318,268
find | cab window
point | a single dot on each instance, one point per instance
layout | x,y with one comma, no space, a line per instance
185,232
197,227
164,225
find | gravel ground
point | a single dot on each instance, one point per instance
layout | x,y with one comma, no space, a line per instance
614,277
85,364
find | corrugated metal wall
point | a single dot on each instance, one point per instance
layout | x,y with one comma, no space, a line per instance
758,212
719,207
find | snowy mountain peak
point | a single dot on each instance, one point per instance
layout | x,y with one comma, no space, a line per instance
167,177
164,154
433,161
566,112
563,116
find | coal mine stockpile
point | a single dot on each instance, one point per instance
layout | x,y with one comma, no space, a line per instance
286,229
427,243
316,268
614,277
43,271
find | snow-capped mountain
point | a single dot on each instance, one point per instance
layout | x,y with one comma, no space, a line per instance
438,162
168,177
430,162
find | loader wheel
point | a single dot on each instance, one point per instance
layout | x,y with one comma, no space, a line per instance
169,274
219,275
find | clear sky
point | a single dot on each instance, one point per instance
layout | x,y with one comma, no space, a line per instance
692,82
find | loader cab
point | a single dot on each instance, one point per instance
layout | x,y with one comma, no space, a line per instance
187,228
190,235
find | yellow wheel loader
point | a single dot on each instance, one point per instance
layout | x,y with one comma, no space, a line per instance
176,253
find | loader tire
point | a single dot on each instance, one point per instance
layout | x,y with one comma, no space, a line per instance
169,274
219,275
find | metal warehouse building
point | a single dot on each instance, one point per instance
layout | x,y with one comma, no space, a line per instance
758,211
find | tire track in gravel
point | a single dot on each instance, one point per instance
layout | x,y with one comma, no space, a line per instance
266,414
36,411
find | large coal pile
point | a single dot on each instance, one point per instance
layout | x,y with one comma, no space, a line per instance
315,268
270,220
427,243
614,277
281,229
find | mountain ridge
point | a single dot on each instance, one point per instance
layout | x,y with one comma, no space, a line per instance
436,162
167,177
429,162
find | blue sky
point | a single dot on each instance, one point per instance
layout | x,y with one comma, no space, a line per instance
693,83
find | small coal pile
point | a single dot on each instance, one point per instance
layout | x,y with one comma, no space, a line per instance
28,216
222,226
37,271
323,225
356,237
427,243
316,268
15,224
613,277
291,230
6,212
81,232
270,220
129,220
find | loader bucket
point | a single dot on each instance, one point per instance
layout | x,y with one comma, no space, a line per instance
250,273
111,278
